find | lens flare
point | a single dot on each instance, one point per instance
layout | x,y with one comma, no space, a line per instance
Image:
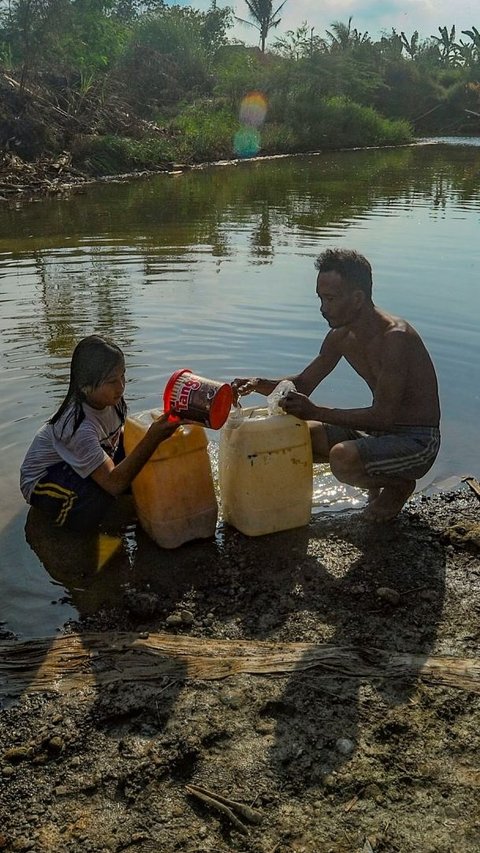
246,142
253,109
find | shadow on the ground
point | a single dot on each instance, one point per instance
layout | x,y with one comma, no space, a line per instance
317,584
319,716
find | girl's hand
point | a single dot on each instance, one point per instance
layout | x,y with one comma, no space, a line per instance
165,427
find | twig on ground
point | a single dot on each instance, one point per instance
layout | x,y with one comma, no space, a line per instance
351,803
473,484
414,589
226,806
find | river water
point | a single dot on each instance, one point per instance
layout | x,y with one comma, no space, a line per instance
213,270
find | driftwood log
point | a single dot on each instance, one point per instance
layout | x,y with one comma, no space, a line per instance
78,661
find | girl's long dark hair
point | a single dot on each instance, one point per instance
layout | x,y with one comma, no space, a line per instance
93,359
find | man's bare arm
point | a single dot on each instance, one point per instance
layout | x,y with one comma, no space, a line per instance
321,366
386,409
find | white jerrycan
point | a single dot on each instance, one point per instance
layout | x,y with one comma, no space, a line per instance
265,471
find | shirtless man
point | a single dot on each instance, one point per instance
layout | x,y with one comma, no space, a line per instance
385,447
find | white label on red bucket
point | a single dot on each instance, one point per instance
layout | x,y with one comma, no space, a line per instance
182,391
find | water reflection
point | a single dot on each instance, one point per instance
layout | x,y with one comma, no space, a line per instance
92,569
96,292
166,217
330,495
119,567
213,270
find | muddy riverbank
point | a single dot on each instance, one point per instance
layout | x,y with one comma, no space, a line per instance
308,679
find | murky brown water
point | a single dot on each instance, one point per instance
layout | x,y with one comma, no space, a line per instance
213,270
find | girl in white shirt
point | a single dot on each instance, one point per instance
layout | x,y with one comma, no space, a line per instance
75,466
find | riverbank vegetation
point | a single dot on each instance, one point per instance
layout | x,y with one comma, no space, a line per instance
108,86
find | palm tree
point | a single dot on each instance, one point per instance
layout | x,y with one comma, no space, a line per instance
343,36
262,12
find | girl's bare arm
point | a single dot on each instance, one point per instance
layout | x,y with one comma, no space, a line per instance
115,479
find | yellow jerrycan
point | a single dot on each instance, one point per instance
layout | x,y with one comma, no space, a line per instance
174,493
265,471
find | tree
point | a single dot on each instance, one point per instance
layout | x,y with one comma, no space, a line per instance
344,36
28,25
390,46
411,45
299,43
446,45
63,36
474,35
171,56
129,10
262,12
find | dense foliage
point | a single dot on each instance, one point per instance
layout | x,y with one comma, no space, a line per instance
135,83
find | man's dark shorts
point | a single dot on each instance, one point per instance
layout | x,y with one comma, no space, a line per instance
407,452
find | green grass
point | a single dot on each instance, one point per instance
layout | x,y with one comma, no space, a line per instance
207,132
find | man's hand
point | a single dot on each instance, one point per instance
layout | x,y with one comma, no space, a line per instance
300,406
242,387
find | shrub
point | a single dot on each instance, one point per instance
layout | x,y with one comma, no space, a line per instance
341,123
277,138
111,155
207,131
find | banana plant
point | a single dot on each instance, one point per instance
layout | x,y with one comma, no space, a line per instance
474,36
448,49
411,45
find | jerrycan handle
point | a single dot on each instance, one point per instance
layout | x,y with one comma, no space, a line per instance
278,394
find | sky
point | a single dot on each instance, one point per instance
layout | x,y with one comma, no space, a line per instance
372,16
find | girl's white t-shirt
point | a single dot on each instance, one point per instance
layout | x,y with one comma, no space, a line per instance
96,438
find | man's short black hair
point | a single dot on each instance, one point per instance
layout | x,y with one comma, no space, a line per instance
353,267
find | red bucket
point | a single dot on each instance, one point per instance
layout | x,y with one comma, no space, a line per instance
194,398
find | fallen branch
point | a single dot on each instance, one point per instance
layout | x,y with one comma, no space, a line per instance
229,808
474,485
77,661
